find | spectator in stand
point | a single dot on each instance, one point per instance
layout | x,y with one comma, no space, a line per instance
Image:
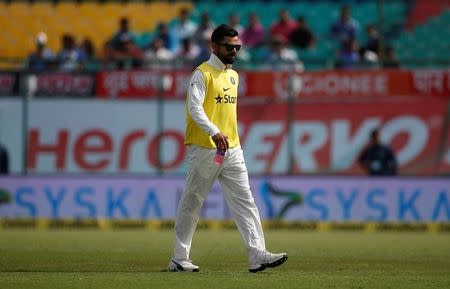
158,52
122,49
163,33
373,40
370,51
125,53
346,28
87,50
302,36
204,30
280,57
234,22
253,35
378,159
348,57
202,37
204,53
390,58
183,28
70,57
188,50
123,32
284,26
42,58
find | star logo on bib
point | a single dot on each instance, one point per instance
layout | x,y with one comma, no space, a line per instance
218,99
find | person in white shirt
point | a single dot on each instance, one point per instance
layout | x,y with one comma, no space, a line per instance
184,28
158,52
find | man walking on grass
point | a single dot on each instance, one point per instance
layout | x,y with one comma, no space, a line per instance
214,152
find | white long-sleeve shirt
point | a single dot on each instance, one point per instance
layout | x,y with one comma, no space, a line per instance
196,97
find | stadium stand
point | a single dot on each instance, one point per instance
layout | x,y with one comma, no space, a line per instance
421,46
422,10
96,20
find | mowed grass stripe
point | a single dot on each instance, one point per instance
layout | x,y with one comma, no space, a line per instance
136,258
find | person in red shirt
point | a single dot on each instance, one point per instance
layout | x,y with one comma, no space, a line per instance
284,26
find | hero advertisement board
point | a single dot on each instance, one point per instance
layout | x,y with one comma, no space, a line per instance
93,136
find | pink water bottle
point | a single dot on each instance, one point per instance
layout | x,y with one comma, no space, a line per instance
220,155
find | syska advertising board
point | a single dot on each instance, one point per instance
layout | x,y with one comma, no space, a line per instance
290,198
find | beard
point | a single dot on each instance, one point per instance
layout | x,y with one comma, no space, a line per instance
228,59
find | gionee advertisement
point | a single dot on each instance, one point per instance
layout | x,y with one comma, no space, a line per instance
371,84
110,137
288,198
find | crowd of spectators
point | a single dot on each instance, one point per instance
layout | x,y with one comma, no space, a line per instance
186,41
72,56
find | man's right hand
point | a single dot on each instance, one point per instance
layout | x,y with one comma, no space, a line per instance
221,141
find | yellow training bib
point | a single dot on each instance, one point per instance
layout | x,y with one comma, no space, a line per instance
220,106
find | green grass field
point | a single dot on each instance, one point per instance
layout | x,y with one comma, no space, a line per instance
136,259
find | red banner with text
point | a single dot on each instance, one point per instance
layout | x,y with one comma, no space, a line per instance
84,136
370,85
328,137
7,83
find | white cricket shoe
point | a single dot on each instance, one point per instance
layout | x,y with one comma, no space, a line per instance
264,259
182,266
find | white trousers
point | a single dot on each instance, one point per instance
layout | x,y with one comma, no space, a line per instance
233,178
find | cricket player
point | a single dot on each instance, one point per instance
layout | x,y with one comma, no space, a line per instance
211,125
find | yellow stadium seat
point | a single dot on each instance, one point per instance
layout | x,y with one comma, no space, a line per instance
89,8
95,20
3,9
42,8
135,7
113,9
67,9
19,8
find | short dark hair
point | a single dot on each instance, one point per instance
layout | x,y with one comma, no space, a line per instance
222,31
